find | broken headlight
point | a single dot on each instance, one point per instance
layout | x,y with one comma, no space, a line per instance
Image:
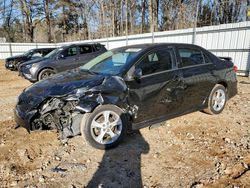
28,66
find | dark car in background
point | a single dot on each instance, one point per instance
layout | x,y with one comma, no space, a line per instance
13,62
61,59
128,88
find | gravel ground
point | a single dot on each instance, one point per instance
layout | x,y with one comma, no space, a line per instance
195,150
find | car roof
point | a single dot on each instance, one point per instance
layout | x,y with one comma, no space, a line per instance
153,45
74,44
145,48
44,48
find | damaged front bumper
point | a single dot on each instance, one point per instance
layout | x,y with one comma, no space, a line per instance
27,74
54,108
10,66
23,119
54,113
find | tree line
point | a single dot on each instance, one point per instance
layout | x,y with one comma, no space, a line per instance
69,20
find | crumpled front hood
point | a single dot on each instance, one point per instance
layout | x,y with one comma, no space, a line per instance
15,57
112,88
64,83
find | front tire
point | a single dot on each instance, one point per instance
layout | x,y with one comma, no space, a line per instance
217,100
105,127
45,73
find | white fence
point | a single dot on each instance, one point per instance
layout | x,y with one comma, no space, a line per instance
10,49
231,40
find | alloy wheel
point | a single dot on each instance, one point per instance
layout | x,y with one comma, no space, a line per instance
218,100
46,75
106,127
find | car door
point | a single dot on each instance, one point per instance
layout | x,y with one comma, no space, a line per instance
68,59
158,93
198,76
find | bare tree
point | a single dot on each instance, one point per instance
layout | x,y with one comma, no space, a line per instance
143,10
67,20
121,22
47,17
31,11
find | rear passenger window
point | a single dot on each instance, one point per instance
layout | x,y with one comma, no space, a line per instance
85,49
98,47
190,57
156,61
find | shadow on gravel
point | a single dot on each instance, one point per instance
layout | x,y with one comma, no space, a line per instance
121,166
244,82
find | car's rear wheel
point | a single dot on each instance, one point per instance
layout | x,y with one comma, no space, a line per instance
45,73
105,127
217,100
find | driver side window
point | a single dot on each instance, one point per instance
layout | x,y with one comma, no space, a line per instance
156,61
70,52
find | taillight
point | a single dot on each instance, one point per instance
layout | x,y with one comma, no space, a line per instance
235,68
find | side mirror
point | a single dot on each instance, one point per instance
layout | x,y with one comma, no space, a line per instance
137,74
60,56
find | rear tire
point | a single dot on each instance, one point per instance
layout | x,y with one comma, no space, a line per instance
105,127
217,100
45,73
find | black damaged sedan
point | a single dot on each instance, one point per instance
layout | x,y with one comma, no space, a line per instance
126,89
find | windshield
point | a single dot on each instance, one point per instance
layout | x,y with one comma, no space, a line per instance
111,62
28,53
53,53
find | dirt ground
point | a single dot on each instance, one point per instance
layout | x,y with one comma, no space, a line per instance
195,150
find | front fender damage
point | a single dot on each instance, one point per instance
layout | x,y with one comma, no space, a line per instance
64,113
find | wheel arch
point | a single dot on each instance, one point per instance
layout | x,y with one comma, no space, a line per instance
89,107
92,105
220,82
223,83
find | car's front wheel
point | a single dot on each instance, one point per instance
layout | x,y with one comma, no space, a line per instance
105,127
217,100
45,73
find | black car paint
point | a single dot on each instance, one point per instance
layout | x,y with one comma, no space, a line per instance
13,62
150,100
57,63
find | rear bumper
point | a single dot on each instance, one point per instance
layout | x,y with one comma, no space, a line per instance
232,90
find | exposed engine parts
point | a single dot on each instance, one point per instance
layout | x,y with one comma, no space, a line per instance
57,113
